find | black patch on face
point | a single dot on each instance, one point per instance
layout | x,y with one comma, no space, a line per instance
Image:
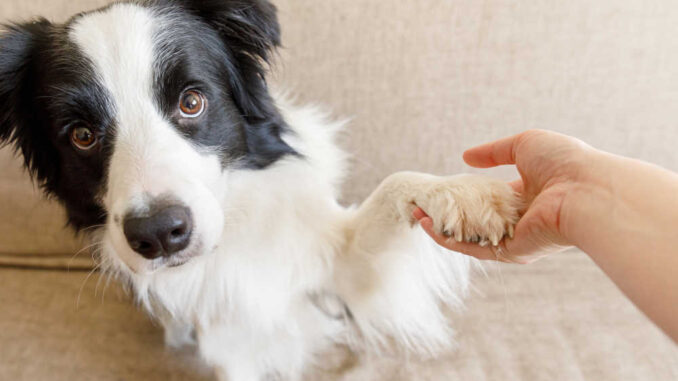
47,87
220,48
191,58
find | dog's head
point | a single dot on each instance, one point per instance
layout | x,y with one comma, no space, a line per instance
133,116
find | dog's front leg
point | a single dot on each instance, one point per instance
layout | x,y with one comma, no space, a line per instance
393,277
466,207
247,351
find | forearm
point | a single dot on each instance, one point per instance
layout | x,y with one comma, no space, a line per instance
625,216
386,210
370,231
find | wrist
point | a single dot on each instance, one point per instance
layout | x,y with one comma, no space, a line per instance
589,196
617,198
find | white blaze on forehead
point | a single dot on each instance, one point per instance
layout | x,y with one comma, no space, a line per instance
119,42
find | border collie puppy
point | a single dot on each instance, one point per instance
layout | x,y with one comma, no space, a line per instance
153,125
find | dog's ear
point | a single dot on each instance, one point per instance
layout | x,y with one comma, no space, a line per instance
19,46
16,44
250,27
250,32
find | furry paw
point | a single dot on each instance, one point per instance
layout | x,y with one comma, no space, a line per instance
470,208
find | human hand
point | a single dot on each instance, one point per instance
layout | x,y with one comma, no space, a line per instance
555,171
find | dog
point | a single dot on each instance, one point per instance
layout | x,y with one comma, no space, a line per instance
216,199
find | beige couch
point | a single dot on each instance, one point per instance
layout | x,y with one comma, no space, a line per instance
422,80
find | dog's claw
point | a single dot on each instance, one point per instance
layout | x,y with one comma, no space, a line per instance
458,236
461,217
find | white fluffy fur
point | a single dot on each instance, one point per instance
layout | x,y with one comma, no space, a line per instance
280,262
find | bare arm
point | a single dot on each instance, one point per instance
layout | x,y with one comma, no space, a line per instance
623,213
628,224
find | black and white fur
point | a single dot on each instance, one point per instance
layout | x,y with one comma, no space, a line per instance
276,270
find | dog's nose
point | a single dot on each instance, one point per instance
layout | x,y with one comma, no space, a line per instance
163,233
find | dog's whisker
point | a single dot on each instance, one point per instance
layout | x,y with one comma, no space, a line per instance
86,248
93,227
109,277
96,288
105,273
89,275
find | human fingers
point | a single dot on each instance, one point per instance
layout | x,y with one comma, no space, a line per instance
499,152
532,239
419,213
518,186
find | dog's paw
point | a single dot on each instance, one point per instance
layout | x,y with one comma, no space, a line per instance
470,208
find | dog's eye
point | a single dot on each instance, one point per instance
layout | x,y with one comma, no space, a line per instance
83,138
192,104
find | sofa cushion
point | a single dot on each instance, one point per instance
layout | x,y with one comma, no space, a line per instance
559,319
